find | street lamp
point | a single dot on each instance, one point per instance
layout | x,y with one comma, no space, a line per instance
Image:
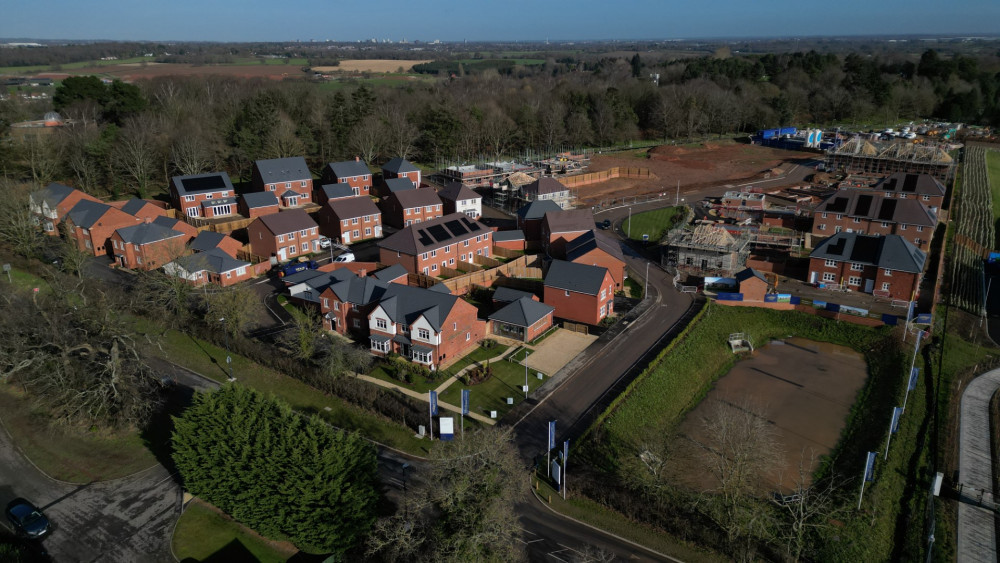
526,374
229,359
628,233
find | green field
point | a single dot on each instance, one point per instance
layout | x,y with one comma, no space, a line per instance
993,172
653,223
68,66
204,534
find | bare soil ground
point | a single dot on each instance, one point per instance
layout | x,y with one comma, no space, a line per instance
374,65
135,71
806,388
695,167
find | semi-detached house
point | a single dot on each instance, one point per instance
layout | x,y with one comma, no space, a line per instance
90,224
872,213
284,235
408,207
459,199
289,179
352,173
147,246
426,248
350,220
888,266
401,168
50,204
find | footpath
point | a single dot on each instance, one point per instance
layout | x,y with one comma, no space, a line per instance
976,524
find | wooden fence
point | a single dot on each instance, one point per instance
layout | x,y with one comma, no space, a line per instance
605,175
523,267
507,253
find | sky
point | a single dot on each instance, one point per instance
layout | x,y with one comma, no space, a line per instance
489,20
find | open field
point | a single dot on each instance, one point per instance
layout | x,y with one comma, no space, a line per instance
373,65
137,71
695,167
653,223
805,388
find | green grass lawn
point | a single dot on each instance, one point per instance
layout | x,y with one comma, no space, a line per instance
653,223
204,534
25,280
491,395
993,171
69,66
480,354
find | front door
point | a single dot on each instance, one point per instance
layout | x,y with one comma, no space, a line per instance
869,286
281,255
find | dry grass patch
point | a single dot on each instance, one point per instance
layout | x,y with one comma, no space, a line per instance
373,65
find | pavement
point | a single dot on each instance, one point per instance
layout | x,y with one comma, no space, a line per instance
560,348
976,524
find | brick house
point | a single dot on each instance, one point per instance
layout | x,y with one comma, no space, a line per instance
203,195
579,292
284,235
547,189
868,212
405,208
353,173
443,242
214,266
401,168
142,209
504,295
346,303
177,225
561,227
327,192
887,266
210,240
289,179
384,188
91,225
511,240
594,249
523,319
459,199
529,218
350,220
428,326
50,204
147,246
753,284
257,204
924,188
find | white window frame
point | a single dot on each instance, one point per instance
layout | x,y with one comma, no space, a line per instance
829,277
885,286
830,263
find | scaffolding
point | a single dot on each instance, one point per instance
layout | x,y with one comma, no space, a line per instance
860,156
707,249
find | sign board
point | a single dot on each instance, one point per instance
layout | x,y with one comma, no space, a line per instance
565,451
434,403
493,414
524,388
936,487
556,473
465,402
421,431
510,400
914,374
923,319
722,296
894,425
721,283
870,467
645,237
447,431
6,267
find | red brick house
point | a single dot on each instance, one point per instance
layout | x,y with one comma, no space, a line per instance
147,246
405,208
886,266
523,319
353,173
511,240
91,225
142,209
347,300
753,284
561,227
428,326
289,179
258,204
594,249
459,199
578,292
50,204
284,235
871,213
214,266
401,168
921,187
530,217
350,220
328,192
203,195
443,242
210,240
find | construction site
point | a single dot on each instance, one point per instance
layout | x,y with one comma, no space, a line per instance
707,249
861,156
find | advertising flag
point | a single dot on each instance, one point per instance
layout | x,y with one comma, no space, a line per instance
914,373
565,450
465,401
870,467
552,434
894,425
434,403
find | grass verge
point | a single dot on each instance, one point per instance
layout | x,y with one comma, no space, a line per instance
205,534
492,394
478,355
652,223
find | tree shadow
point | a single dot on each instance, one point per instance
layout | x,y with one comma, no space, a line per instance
232,551
156,435
216,362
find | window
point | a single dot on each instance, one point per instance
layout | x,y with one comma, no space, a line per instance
604,310
326,303
830,263
840,216
429,208
466,243
447,248
189,198
192,212
479,238
228,274
288,185
920,229
486,236
380,346
604,294
885,286
408,210
355,233
241,271
821,228
828,277
902,196
423,334
354,221
305,247
451,261
885,224
857,267
434,267
926,198
888,194
468,336
291,250
421,357
434,253
857,219
567,293
824,215
381,324
336,305
304,233
291,236
902,227
854,280
357,323
837,230
345,222
424,256
302,184
368,231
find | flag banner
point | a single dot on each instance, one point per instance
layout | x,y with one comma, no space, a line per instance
465,401
434,403
552,434
894,425
914,373
565,450
909,312
870,467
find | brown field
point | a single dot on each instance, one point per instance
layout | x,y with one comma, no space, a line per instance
136,71
806,389
374,65
695,167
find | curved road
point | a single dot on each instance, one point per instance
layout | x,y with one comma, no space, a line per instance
976,525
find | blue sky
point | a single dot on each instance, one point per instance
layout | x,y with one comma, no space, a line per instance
456,20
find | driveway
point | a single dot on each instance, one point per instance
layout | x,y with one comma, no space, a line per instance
976,524
558,350
129,519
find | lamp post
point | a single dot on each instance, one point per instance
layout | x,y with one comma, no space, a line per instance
229,359
646,288
526,374
628,232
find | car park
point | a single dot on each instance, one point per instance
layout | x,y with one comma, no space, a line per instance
27,519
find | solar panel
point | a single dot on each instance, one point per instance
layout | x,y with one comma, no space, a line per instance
865,249
910,183
888,209
203,184
438,232
456,228
424,238
838,205
837,248
890,184
864,205
472,225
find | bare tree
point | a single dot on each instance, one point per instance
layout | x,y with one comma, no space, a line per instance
190,154
18,225
498,133
400,135
809,506
136,153
233,307
366,138
43,157
282,141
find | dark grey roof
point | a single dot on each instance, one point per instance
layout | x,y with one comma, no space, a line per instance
348,169
433,234
399,166
545,185
85,213
326,279
919,184
579,278
569,221
287,221
509,295
592,240
134,205
750,273
390,273
359,206
206,240
256,200
405,304
537,209
502,236
457,191
215,261
51,194
874,206
891,252
303,276
359,290
394,185
145,233
168,222
523,312
440,288
338,190
416,198
199,183
283,169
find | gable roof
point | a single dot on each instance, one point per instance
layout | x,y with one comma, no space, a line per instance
134,205
569,221
215,261
589,241
919,184
509,294
433,234
416,198
537,209
456,191
545,185
52,194
399,166
146,233
394,185
359,206
579,278
873,205
207,240
283,169
750,273
338,190
85,213
524,311
287,221
405,304
168,222
256,200
891,252
392,272
348,169
359,290
200,183
505,236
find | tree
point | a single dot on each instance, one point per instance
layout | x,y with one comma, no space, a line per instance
287,476
366,138
810,506
190,154
232,306
123,100
304,336
43,158
18,226
79,88
636,65
136,154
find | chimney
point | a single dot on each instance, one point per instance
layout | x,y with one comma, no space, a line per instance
357,158
147,219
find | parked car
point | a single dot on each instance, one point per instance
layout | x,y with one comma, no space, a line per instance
345,257
296,267
605,224
325,242
27,519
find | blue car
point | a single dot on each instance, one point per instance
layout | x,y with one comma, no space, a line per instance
27,519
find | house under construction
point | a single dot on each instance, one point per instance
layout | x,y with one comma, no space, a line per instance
860,156
707,250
